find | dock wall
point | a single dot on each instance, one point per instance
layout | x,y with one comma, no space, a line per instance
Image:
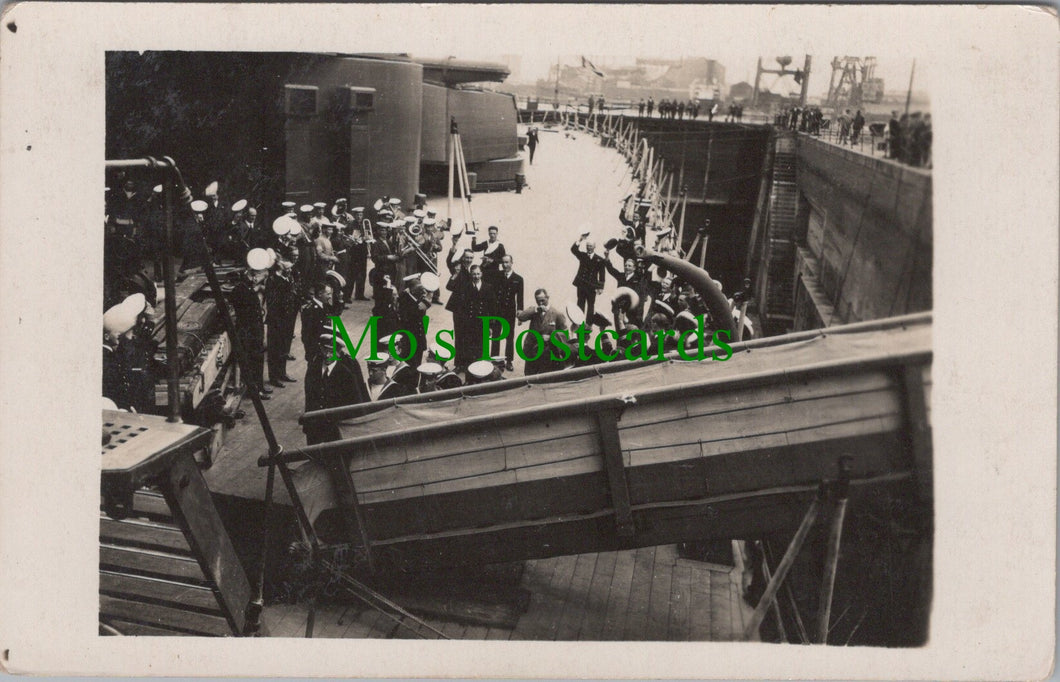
864,237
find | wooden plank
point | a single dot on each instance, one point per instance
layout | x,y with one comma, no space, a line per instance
720,605
618,596
194,510
151,504
659,605
143,534
131,628
611,453
917,432
679,624
576,597
500,634
476,632
155,590
595,609
640,595
537,577
155,564
557,591
699,610
153,614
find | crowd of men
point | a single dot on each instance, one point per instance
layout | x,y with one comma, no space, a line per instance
672,109
906,138
313,261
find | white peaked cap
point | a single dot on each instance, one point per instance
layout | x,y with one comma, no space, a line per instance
294,228
430,281
575,314
258,259
157,189
199,205
282,225
239,205
119,319
136,302
272,257
211,189
480,368
431,368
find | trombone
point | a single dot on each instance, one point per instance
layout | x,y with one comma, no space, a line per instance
411,232
366,227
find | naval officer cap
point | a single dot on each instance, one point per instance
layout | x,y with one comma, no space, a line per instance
119,319
305,208
420,213
319,204
383,361
282,225
430,222
410,220
157,189
336,276
211,189
429,281
358,209
480,369
378,205
239,205
395,202
289,205
664,307
430,369
294,229
199,206
431,213
258,259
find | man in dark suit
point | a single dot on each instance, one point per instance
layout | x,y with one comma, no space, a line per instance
590,278
475,300
492,252
412,306
508,289
331,383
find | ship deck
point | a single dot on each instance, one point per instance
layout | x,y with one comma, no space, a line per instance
644,594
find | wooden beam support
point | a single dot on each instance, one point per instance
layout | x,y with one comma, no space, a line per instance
611,451
917,431
350,507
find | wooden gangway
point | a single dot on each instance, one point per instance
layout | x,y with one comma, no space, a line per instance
626,454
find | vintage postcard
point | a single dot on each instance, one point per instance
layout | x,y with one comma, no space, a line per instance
580,341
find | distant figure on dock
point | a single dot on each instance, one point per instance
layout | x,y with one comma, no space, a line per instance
531,142
640,107
651,105
856,126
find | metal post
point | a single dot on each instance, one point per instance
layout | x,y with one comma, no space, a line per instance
909,93
835,533
170,278
452,156
785,565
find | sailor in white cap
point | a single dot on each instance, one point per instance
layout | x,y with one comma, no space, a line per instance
119,322
248,303
377,377
413,304
429,373
339,212
282,302
338,283
289,207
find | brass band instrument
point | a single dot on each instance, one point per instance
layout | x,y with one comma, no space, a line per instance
366,227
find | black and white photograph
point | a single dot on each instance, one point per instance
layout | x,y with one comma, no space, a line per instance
425,336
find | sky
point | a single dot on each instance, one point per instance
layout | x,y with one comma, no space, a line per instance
733,35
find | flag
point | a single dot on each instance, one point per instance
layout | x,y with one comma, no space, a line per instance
586,64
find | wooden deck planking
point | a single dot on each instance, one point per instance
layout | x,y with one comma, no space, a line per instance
555,594
659,605
595,610
678,628
699,608
537,576
576,597
503,634
618,596
720,607
640,595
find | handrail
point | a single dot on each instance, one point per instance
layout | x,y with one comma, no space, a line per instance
362,409
590,406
